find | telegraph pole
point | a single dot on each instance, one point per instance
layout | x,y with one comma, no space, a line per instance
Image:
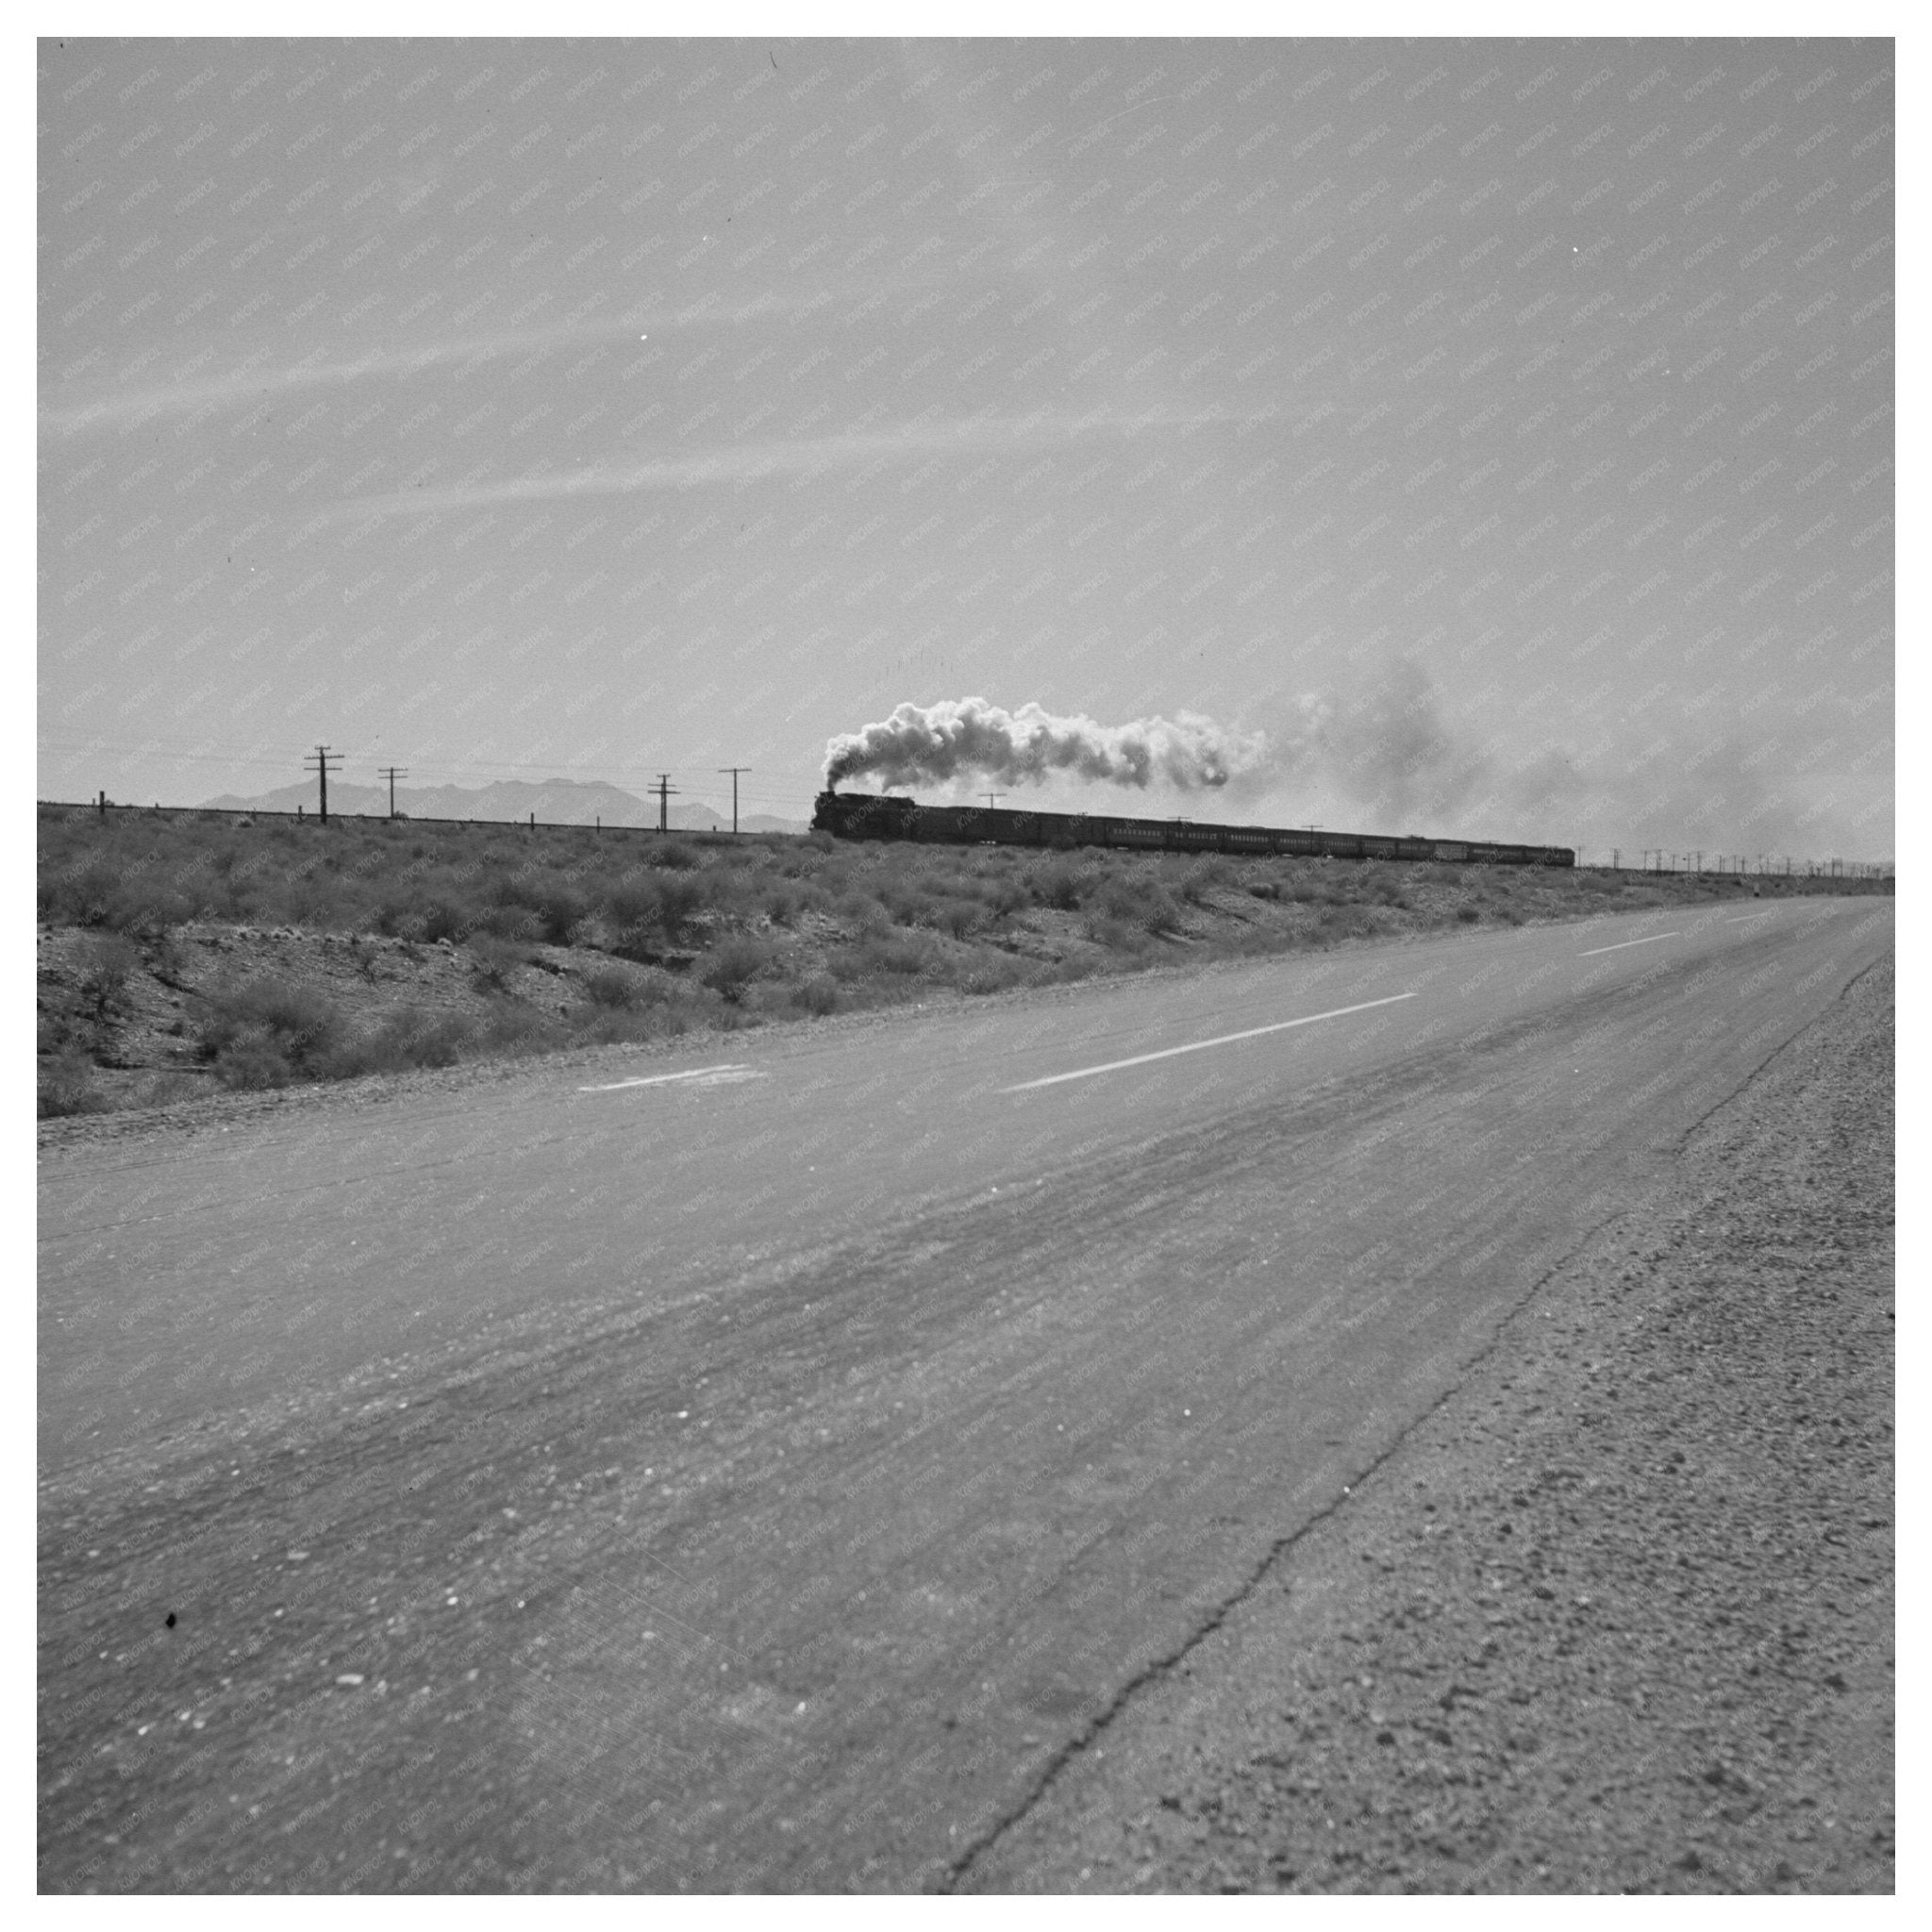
993,798
321,762
734,770
663,787
392,773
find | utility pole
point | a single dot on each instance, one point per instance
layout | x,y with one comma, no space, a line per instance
663,787
321,763
993,798
734,770
392,773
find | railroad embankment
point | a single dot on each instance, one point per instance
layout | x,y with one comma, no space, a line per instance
183,957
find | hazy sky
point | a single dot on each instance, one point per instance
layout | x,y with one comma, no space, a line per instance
1504,428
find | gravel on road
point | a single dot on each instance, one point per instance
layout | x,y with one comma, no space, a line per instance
1615,1616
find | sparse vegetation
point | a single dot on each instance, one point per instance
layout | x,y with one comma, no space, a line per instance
182,952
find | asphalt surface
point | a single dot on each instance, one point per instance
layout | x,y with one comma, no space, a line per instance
756,1480
1617,1617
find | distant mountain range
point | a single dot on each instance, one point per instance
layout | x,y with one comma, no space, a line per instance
555,802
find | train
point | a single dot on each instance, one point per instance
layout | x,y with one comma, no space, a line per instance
868,815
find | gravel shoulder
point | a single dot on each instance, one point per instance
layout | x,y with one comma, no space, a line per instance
1617,1616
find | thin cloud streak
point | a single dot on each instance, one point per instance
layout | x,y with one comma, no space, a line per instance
251,385
817,455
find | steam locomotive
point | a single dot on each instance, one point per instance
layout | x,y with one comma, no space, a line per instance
862,815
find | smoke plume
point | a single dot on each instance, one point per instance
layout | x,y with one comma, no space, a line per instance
934,743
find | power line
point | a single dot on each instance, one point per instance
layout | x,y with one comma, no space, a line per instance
392,773
734,770
451,769
321,763
663,787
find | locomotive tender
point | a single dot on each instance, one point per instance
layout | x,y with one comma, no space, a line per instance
863,815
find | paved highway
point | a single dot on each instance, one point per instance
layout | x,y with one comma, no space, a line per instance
749,1471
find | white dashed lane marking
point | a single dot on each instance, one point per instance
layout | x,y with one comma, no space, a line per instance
696,1076
1622,943
1141,1059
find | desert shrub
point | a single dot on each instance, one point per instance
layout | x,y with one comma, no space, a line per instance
67,1085
782,903
552,903
1004,895
267,1032
252,1057
956,916
614,985
131,900
441,919
1265,888
107,961
1129,936
1345,922
862,913
629,901
616,1026
819,994
392,914
880,952
495,961
516,1027
318,904
907,902
1469,915
995,973
1145,904
1058,884
734,965
515,923
646,913
396,1044
672,854
69,894
164,1087
1159,910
